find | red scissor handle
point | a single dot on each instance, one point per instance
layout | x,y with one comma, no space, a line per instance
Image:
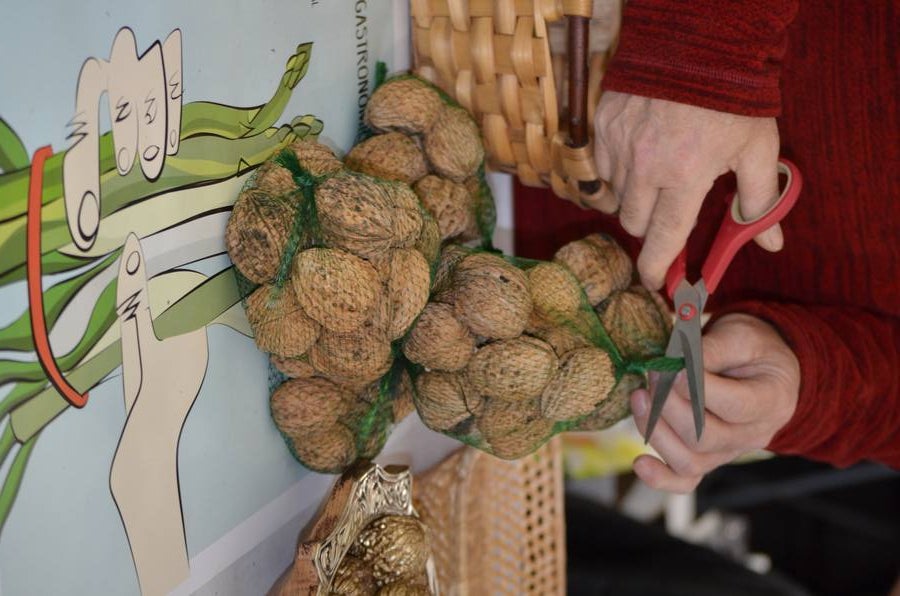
735,232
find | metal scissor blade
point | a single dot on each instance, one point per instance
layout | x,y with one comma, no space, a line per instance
660,394
694,368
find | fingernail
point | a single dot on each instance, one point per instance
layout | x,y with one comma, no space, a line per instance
640,402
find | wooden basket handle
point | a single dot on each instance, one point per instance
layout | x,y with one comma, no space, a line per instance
577,39
578,49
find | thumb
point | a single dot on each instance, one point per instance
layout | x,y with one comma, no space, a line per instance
757,188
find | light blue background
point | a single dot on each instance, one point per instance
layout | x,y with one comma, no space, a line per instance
64,535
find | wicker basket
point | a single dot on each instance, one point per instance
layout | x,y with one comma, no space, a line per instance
497,526
503,60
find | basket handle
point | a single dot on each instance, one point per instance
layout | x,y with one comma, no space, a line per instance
578,50
577,39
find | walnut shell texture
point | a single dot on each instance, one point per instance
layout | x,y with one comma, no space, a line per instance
353,578
299,405
280,326
274,179
513,369
390,156
396,546
451,205
491,296
408,287
599,263
337,289
356,357
294,368
405,104
257,234
556,292
584,379
442,399
635,324
453,145
355,213
439,341
316,158
327,449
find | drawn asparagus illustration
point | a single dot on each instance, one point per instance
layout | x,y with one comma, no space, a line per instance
219,146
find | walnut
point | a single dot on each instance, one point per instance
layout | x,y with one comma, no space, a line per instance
257,234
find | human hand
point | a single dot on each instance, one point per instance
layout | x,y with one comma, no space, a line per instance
752,383
662,158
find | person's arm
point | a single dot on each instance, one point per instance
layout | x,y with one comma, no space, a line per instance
690,94
849,404
724,55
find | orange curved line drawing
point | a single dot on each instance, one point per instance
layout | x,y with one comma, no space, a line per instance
35,291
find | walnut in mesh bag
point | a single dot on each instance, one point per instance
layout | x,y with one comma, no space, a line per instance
438,340
512,370
406,213
453,144
491,296
299,405
555,292
274,179
356,214
635,323
429,241
391,156
257,234
599,263
563,339
316,158
513,429
584,379
408,287
280,326
293,368
616,405
444,400
452,206
327,449
404,104
337,289
359,356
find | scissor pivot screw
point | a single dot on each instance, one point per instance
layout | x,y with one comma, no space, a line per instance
687,312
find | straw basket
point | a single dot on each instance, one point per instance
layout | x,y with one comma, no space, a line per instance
497,526
529,70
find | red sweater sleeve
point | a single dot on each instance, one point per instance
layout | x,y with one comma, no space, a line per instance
849,405
719,54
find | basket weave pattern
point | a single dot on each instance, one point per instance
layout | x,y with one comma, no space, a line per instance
497,526
495,58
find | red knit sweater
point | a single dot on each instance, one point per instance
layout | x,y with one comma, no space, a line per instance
834,291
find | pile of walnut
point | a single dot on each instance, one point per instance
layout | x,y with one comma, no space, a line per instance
507,352
431,145
328,315
387,559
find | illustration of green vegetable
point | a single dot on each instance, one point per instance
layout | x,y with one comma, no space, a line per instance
218,143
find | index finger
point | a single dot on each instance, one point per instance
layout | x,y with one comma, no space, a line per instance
670,225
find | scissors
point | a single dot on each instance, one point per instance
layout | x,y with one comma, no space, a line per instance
689,299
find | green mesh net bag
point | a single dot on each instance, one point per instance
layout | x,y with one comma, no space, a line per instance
335,266
510,352
422,137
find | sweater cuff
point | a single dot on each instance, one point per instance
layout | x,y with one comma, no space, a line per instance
720,55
